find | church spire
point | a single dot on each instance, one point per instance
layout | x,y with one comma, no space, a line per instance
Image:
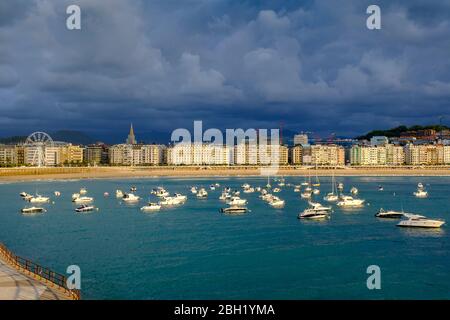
131,138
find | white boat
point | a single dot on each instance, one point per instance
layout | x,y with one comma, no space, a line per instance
57,193
249,190
311,214
161,192
225,196
212,187
418,221
276,190
380,188
130,197
119,194
297,189
316,191
267,197
315,211
26,196
354,191
75,195
85,208
319,207
171,201
193,190
331,197
133,189
83,191
82,199
258,189
420,193
202,193
217,185
276,202
151,207
348,201
30,210
340,186
390,214
234,210
245,186
106,194
39,199
306,194
180,197
236,201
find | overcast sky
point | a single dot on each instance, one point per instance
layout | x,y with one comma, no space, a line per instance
312,65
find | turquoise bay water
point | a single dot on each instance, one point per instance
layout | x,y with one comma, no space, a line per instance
195,252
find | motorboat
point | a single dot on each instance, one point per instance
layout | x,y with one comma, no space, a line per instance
267,197
180,197
420,192
133,189
225,196
171,201
311,214
306,194
236,201
276,190
130,197
75,195
39,199
249,190
202,193
297,189
82,199
119,194
57,193
245,186
316,191
354,190
151,207
390,214
217,185
161,192
106,194
319,207
418,221
85,208
83,191
258,189
212,187
26,196
276,202
234,210
331,197
33,210
348,201
340,186
380,188
193,190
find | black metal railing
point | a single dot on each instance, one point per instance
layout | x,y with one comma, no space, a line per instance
42,273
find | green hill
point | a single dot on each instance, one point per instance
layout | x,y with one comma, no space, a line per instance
396,132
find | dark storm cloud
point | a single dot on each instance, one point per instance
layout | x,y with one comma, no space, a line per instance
312,65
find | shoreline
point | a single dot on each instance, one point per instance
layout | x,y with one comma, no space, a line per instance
30,174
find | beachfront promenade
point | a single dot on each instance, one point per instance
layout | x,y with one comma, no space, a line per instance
21,279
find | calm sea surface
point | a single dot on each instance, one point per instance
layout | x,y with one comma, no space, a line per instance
195,252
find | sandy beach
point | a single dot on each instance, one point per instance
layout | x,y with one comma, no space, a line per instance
27,174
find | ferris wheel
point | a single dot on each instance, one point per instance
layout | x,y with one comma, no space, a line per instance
37,142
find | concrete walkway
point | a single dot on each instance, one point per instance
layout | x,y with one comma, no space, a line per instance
15,285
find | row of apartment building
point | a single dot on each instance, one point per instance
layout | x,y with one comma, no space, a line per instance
241,154
394,155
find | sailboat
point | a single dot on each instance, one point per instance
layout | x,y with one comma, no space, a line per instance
332,196
268,182
317,183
